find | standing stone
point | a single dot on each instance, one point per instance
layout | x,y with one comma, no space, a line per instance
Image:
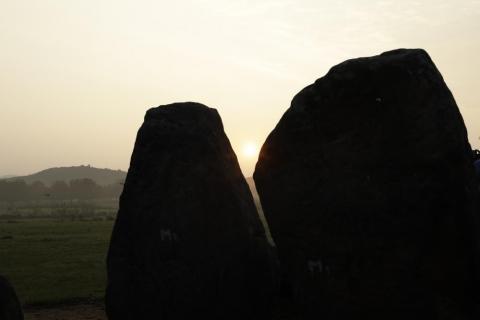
187,242
367,184
10,308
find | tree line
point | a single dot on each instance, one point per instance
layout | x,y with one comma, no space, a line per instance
78,189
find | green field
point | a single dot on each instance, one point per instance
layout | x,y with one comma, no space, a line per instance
53,261
55,252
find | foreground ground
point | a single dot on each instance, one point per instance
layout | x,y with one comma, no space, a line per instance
57,266
64,312
55,261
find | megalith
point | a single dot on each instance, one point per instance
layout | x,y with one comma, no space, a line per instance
367,184
187,242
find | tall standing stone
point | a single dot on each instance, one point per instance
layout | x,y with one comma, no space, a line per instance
367,185
187,242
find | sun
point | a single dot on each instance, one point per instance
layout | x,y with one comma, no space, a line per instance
250,150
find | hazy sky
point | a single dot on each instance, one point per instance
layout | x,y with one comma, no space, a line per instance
76,77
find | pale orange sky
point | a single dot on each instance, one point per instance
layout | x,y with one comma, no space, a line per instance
77,76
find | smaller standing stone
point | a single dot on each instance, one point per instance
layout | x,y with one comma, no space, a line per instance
10,308
188,242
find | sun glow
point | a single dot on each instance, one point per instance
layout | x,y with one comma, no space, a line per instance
250,150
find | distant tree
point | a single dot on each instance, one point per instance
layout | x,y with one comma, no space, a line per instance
16,190
84,189
78,189
38,190
113,190
3,190
60,190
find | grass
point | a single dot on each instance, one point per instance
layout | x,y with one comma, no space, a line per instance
53,261
57,257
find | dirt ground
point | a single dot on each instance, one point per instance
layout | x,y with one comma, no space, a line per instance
96,311
67,312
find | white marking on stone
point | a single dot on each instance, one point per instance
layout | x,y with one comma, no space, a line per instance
315,266
167,234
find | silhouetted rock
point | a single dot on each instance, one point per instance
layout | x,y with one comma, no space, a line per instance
367,184
476,164
188,242
10,308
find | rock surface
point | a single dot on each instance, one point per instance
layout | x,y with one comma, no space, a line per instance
367,185
188,242
10,308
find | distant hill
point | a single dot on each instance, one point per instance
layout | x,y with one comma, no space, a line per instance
102,177
6,176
